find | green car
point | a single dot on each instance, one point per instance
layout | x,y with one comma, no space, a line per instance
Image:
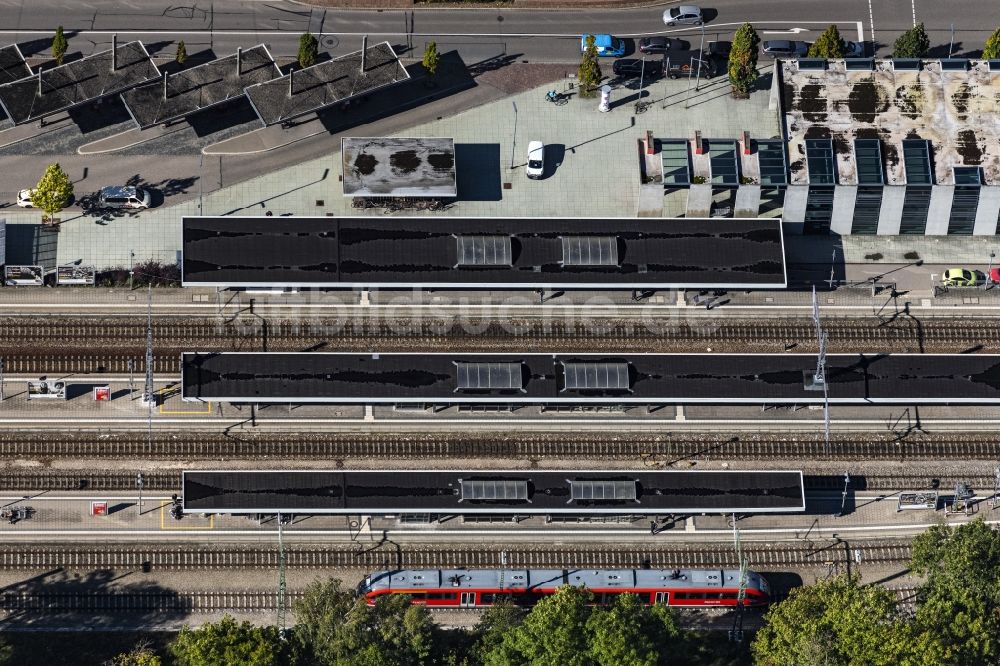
962,277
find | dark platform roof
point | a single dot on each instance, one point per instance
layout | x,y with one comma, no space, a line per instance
431,378
77,82
326,83
398,167
371,252
12,65
199,87
526,492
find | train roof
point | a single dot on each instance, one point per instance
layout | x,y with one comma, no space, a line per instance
549,579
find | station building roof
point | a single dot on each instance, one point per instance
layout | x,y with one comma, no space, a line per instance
495,253
12,64
66,86
398,167
548,379
949,105
199,87
531,492
326,83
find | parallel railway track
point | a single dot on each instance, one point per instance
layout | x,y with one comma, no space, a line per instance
651,449
108,345
16,479
765,557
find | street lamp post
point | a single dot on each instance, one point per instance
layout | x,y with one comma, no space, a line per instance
989,271
513,141
843,496
138,484
131,268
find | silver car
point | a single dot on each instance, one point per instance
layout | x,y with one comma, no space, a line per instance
129,197
683,15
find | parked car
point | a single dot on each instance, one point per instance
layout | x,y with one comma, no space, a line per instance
720,49
854,49
683,15
783,48
633,68
607,46
24,199
995,275
127,196
680,65
963,277
536,160
662,45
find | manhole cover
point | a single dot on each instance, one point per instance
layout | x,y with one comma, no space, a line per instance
329,42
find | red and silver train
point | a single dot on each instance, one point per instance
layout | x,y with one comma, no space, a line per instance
471,588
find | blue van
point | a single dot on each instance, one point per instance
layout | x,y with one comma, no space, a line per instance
607,46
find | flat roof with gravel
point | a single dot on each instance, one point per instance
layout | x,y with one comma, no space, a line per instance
12,65
956,109
199,87
398,167
326,83
77,82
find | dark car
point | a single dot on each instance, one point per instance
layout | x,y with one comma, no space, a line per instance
783,48
687,63
632,68
662,45
720,49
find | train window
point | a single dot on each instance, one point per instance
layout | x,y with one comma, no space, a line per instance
661,598
441,596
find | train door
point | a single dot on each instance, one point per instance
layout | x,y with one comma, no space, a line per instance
661,598
467,599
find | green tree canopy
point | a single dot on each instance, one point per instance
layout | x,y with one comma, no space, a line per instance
629,632
182,53
991,50
743,72
835,622
337,628
498,621
431,58
53,191
140,655
589,74
829,45
308,50
914,43
228,642
958,613
59,45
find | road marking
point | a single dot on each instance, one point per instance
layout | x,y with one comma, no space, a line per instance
913,5
871,22
790,31
861,33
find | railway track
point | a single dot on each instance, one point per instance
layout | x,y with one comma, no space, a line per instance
105,480
97,345
654,450
765,557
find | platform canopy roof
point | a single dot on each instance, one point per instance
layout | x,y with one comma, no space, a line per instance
314,88
200,87
12,64
90,78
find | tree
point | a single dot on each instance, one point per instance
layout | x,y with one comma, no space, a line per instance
835,622
228,642
53,191
59,46
828,45
913,43
991,50
554,632
627,633
308,50
498,621
182,53
589,75
431,58
140,655
335,627
743,72
959,611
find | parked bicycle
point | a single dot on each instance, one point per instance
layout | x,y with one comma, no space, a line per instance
556,98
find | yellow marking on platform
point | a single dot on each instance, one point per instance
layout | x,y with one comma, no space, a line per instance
163,526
